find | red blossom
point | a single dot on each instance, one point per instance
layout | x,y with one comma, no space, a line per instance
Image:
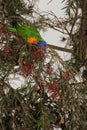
66,75
54,90
7,49
49,69
26,69
38,54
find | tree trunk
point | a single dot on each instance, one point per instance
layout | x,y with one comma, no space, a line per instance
82,48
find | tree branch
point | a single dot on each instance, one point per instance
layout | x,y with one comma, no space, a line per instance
60,48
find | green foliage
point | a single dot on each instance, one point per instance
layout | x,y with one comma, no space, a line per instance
12,6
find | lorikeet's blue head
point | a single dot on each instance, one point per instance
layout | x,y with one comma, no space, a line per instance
42,44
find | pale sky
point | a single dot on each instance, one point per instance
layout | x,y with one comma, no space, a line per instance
52,36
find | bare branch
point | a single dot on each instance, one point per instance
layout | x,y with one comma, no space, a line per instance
60,48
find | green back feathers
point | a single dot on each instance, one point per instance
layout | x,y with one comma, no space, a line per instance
26,31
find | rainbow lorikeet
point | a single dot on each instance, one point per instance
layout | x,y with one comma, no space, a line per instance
29,35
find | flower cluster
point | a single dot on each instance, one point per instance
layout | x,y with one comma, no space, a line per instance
26,69
49,69
53,90
7,49
38,54
66,75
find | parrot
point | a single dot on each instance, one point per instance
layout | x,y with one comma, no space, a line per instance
29,34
